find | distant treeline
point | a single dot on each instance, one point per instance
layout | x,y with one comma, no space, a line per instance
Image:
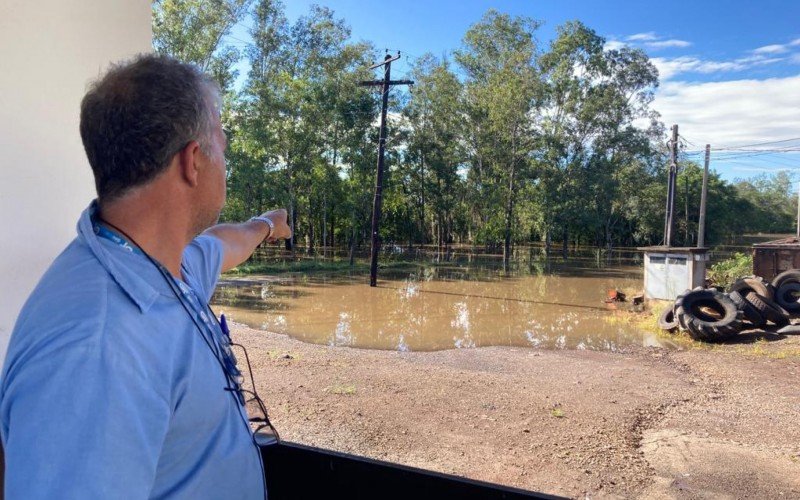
506,141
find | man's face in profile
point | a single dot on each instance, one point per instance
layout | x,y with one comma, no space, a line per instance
213,185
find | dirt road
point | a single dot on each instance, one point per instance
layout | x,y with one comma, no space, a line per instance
647,423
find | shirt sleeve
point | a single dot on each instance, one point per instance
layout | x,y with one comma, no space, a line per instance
90,426
203,259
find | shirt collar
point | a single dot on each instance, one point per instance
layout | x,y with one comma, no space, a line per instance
142,293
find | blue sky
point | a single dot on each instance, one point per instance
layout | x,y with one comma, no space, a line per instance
730,70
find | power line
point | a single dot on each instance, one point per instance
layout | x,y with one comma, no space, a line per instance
746,153
688,141
750,155
757,144
743,147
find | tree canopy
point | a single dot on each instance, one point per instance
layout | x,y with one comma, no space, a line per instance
505,141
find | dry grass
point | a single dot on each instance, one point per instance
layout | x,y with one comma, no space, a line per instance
343,389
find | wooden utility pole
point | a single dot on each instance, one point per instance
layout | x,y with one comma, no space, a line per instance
385,84
673,174
798,212
701,230
686,208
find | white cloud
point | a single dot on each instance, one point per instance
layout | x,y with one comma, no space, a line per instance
643,37
768,60
795,59
757,59
719,66
733,112
795,42
771,49
614,45
669,68
664,44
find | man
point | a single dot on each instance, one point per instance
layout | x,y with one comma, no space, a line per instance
116,382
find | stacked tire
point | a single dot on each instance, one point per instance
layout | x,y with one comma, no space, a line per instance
711,315
787,290
708,314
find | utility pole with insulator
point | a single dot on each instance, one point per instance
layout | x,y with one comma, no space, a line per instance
701,230
797,234
385,84
673,174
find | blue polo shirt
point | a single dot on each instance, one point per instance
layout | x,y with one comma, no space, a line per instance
109,390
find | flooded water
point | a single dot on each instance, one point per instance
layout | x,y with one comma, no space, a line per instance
440,307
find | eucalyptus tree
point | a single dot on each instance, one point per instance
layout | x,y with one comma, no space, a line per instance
435,149
594,96
254,177
773,202
502,103
195,30
302,109
323,103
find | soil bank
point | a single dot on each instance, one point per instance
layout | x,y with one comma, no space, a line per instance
642,423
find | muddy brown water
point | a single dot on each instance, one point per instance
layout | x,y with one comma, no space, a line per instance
435,308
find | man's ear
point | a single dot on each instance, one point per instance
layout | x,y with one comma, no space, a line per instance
188,159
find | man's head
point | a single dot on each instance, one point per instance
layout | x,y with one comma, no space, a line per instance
148,116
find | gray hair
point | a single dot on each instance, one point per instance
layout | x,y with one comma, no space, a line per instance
139,114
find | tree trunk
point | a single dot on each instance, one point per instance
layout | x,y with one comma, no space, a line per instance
509,218
310,238
547,242
332,234
324,225
353,240
422,207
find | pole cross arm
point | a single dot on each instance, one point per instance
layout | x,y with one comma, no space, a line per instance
386,60
379,83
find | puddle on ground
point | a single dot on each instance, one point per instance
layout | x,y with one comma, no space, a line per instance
433,309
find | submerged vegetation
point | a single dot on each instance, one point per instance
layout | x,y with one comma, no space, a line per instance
505,141
301,265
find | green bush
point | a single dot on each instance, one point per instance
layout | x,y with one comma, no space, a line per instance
725,272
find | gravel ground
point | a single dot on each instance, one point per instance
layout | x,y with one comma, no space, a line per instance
646,423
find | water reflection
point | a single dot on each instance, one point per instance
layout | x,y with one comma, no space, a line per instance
438,308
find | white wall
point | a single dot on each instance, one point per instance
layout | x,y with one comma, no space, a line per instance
49,51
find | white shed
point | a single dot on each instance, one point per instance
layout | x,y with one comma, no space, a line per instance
668,271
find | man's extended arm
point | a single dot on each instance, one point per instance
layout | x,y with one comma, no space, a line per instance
239,241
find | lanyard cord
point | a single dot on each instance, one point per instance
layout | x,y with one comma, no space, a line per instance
228,388
177,296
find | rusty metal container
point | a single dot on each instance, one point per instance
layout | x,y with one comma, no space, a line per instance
773,257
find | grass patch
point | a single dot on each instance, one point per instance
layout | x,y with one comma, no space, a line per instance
759,349
647,322
343,389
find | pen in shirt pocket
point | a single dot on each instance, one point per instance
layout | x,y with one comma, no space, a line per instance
223,323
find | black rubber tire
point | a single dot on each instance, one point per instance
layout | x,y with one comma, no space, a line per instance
790,276
788,296
667,319
751,314
755,284
679,319
726,323
789,329
769,309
